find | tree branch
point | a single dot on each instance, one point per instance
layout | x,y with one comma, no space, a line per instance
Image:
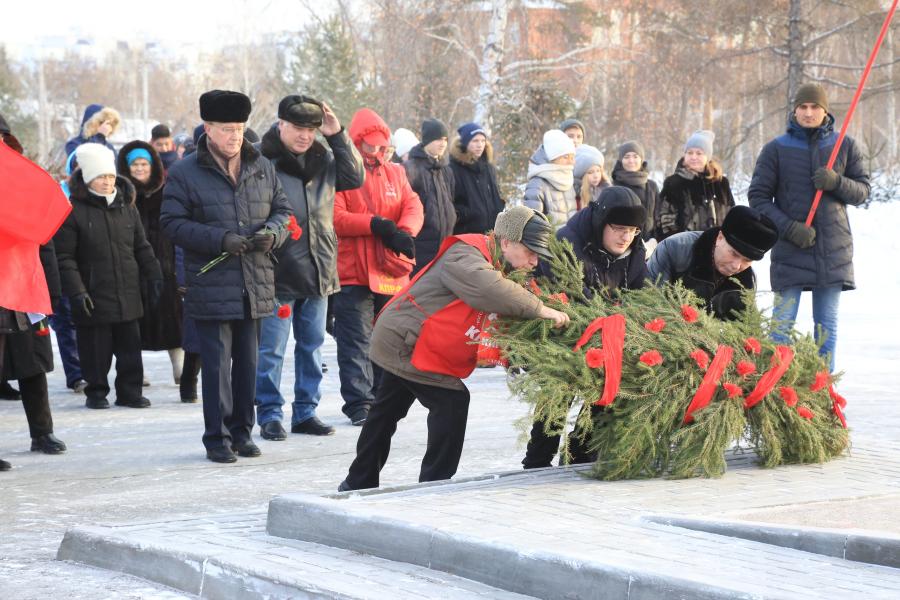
826,34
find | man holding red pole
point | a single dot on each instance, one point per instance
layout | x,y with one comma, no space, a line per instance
817,257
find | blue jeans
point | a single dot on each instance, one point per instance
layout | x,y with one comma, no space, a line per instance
825,317
355,308
67,340
308,319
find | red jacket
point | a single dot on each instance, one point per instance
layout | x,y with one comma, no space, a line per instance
386,193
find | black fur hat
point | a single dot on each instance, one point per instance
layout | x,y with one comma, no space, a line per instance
223,106
749,232
302,111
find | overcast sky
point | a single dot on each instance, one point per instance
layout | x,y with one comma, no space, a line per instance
166,20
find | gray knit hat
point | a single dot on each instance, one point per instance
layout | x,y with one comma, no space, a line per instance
527,226
570,123
811,92
631,146
703,139
586,156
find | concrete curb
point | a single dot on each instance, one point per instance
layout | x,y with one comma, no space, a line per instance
540,574
855,545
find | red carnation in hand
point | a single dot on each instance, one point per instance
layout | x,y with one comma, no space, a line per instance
594,358
733,390
293,228
560,296
651,358
805,413
656,325
789,395
701,358
752,345
823,378
689,313
284,311
745,367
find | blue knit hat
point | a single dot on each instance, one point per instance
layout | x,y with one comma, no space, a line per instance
468,131
138,153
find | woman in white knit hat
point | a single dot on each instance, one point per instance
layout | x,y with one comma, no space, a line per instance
697,196
551,179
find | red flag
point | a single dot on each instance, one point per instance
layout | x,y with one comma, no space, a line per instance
32,208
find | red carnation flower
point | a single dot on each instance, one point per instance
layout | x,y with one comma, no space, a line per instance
42,331
293,228
689,313
594,358
805,413
560,296
752,345
701,358
789,395
734,391
656,325
651,358
823,378
745,367
284,311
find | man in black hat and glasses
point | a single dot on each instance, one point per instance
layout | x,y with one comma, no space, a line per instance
715,263
306,272
424,340
226,198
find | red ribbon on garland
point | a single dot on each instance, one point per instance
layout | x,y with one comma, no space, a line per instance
612,338
838,402
780,363
710,382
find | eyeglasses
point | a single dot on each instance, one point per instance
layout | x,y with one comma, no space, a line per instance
622,229
230,130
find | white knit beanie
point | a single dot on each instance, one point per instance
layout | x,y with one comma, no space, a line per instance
95,160
403,141
557,143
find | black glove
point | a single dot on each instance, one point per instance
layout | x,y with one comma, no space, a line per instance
233,243
725,304
383,228
826,179
154,293
263,241
402,243
82,305
800,235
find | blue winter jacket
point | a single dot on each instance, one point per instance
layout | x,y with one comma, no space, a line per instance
783,190
200,205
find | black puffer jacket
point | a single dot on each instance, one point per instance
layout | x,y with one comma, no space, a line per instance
602,270
476,198
688,257
646,189
307,267
432,179
103,251
200,205
692,202
782,189
161,327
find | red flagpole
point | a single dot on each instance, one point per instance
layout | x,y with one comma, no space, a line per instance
859,89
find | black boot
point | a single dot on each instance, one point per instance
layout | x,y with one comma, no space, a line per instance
189,373
48,444
4,466
8,392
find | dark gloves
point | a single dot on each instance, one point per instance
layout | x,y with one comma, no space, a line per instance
725,304
233,243
800,235
401,243
154,293
263,241
826,179
383,228
82,306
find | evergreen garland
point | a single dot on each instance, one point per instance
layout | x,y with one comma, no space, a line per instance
646,431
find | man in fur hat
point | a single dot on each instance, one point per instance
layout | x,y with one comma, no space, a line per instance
423,340
226,198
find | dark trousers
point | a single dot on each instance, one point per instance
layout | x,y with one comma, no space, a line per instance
66,340
447,414
542,447
36,402
96,347
355,308
189,372
228,358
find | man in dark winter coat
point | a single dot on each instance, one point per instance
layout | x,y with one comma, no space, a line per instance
818,258
423,340
476,196
103,255
226,199
715,263
429,173
605,236
306,272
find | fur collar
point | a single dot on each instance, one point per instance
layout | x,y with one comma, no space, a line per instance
702,267
306,169
463,156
